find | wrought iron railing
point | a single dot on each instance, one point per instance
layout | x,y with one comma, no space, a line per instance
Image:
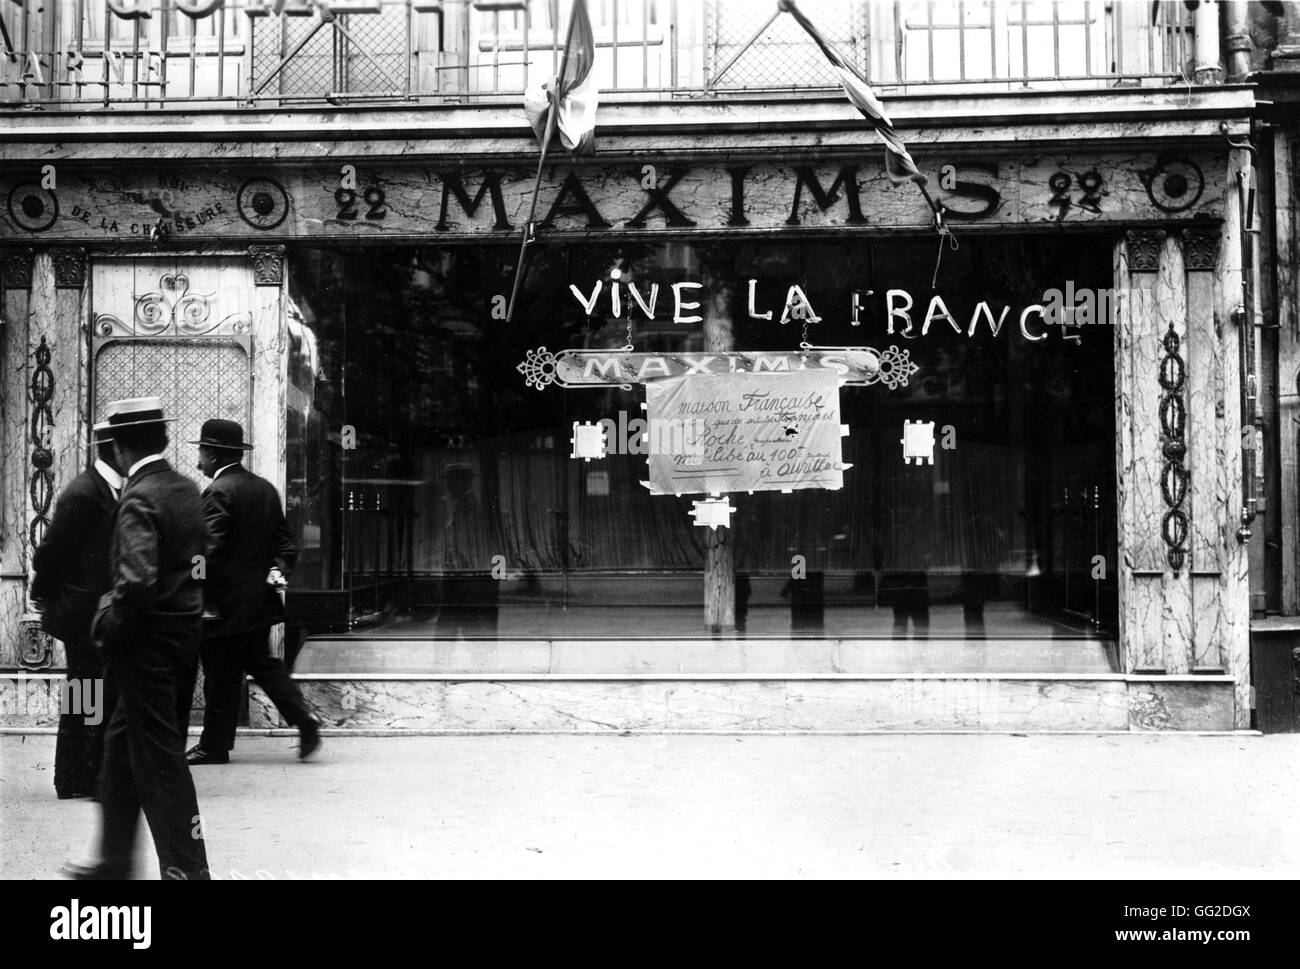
174,53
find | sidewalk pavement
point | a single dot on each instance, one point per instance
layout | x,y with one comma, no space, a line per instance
691,806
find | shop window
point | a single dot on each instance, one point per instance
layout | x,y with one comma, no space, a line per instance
434,496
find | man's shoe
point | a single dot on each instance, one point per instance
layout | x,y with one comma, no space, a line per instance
308,739
69,795
197,756
93,873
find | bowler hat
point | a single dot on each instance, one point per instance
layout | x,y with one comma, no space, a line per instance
218,432
135,412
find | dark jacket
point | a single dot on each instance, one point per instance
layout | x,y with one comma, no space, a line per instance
157,538
71,565
247,537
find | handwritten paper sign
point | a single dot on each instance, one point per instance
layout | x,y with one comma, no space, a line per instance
750,432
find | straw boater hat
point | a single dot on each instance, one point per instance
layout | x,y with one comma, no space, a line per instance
224,434
135,412
101,433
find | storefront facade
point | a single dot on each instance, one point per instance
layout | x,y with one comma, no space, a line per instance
1274,57
1068,550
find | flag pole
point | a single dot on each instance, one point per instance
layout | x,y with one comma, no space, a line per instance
946,236
9,44
552,116
554,95
834,56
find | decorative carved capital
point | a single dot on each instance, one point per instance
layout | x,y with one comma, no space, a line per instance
268,264
1201,247
1144,249
69,267
35,646
16,269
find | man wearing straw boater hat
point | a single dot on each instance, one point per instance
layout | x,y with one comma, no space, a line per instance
70,571
148,627
249,556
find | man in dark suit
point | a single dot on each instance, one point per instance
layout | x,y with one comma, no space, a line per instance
148,628
249,556
70,573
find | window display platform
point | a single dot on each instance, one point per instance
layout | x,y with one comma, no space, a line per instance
680,618
723,655
1034,676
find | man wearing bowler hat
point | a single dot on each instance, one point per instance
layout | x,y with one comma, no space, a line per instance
70,571
249,556
147,628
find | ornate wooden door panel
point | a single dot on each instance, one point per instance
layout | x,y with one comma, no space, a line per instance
179,329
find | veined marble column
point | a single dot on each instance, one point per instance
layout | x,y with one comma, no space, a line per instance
15,368
45,447
270,372
1233,634
1155,603
58,426
1212,492
1184,595
1288,319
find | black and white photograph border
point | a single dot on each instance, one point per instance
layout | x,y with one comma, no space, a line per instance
646,440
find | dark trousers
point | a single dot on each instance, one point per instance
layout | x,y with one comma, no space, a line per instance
79,749
920,616
144,755
226,659
909,595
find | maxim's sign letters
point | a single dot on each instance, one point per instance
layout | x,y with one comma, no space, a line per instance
431,201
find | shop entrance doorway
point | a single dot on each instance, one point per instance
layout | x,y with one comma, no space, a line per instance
179,329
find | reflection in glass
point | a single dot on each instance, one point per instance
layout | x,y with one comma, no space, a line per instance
434,497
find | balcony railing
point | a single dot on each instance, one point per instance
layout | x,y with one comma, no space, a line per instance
177,53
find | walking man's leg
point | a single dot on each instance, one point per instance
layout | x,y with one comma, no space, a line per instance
223,675
75,761
119,799
269,673
185,698
158,753
100,731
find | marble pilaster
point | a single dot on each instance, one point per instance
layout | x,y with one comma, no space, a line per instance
15,364
1210,491
56,316
1234,579
1179,618
1145,279
270,375
1169,323
1288,406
